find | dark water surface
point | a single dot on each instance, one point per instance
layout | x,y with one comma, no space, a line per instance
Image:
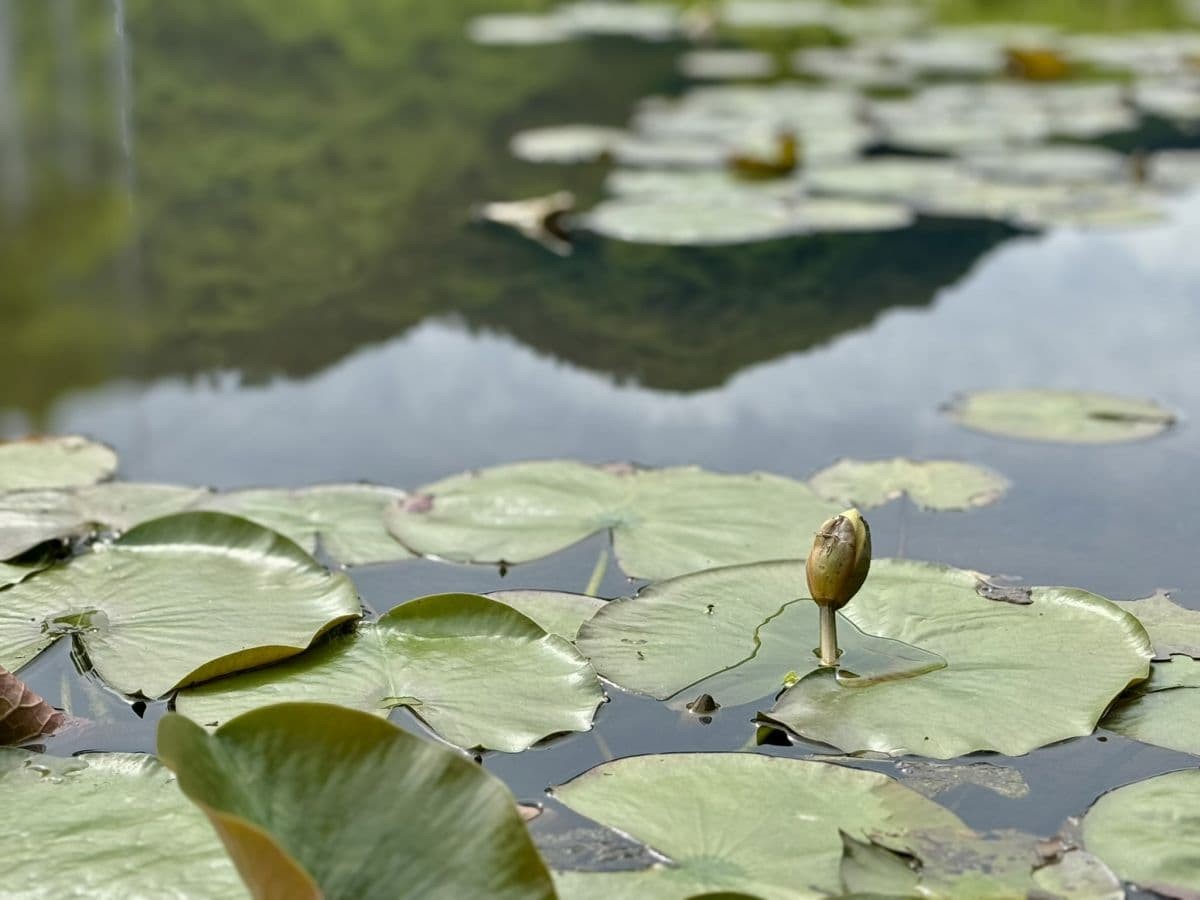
235,244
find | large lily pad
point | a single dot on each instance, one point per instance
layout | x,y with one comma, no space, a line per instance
105,825
741,822
475,670
347,519
1072,417
13,573
176,601
736,633
33,517
319,801
932,484
664,522
1149,832
54,462
1018,675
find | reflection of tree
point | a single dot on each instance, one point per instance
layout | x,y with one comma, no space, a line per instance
304,172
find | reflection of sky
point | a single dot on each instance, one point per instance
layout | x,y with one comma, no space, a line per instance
1114,312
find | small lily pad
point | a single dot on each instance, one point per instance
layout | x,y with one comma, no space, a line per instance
932,484
738,822
1149,832
664,522
1053,164
319,801
778,14
1173,629
566,143
475,670
347,519
1079,649
109,826
54,462
1071,417
557,612
727,64
178,600
519,30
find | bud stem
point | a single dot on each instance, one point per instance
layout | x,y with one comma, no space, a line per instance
829,645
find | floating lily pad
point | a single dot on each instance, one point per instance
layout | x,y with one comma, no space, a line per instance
519,30
54,462
1175,168
319,801
176,601
13,573
729,64
1165,711
910,179
853,65
664,522
604,18
30,518
1053,164
737,822
106,825
736,633
932,779
475,670
1173,629
347,519
1079,650
556,612
711,186
932,484
1149,832
566,143
1071,417
778,14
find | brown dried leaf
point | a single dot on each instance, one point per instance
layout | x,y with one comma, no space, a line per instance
24,715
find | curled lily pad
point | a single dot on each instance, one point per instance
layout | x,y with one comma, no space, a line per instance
605,18
106,825
1071,417
540,219
1149,832
664,522
736,633
932,484
738,822
178,600
54,462
319,801
1079,649
475,670
24,716
727,64
566,143
30,518
347,519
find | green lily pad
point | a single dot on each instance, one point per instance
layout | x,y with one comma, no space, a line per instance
1072,417
1023,668
566,143
475,670
346,518
106,825
1053,164
14,573
902,178
554,611
319,801
737,822
54,462
30,518
732,64
736,633
176,601
518,30
1164,717
1149,832
781,14
1173,629
664,522
717,186
932,484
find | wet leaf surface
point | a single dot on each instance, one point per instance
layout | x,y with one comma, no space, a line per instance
933,484
54,462
1072,417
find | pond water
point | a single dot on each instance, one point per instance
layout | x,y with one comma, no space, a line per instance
237,246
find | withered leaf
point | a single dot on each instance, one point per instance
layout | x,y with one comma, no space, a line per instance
24,715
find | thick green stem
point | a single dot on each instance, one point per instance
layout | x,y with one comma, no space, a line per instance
829,645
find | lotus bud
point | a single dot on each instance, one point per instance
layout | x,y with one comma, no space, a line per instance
837,567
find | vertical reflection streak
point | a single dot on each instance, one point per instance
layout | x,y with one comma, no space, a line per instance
72,153
14,177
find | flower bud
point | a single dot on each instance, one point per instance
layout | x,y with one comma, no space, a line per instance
840,559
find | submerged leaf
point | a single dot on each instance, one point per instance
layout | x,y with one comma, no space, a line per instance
176,601
320,801
932,779
932,484
475,670
24,716
54,462
1072,417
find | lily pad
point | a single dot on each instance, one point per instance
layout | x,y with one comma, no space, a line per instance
14,573
319,801
740,822
664,522
475,670
566,143
347,519
1071,417
1165,711
519,29
731,64
712,186
556,612
736,633
1079,649
106,825
1173,629
176,601
605,18
34,517
932,484
1052,164
54,462
1149,832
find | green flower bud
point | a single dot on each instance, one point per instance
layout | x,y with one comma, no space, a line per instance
840,559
